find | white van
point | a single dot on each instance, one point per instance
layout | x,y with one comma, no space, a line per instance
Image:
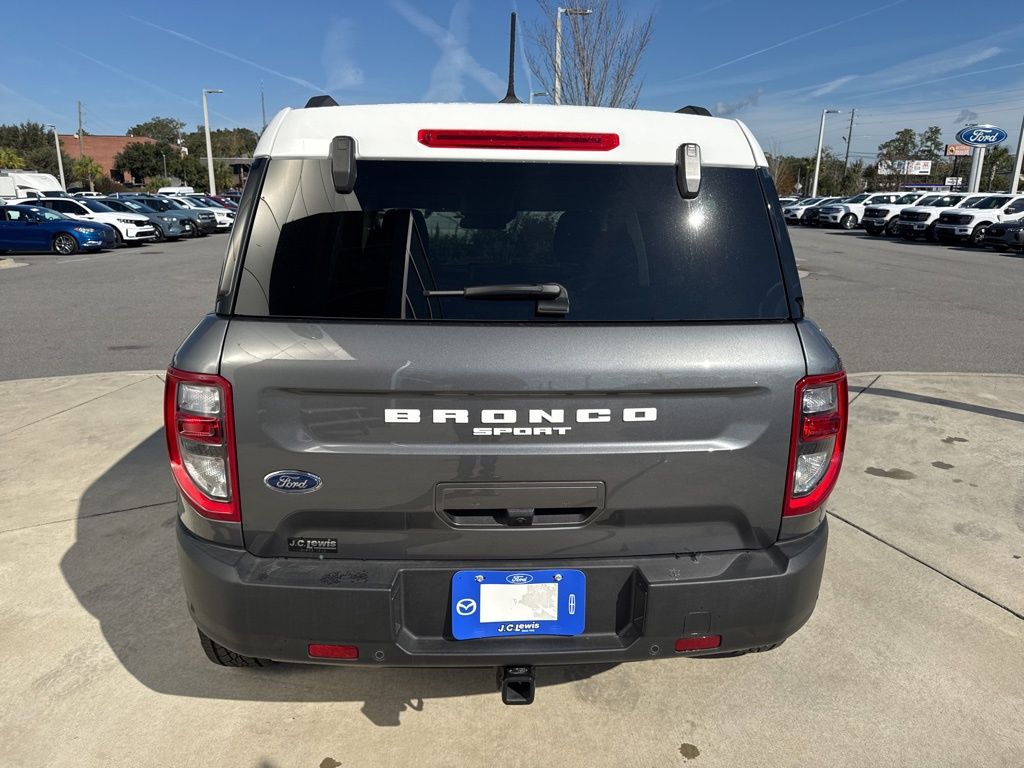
175,191
31,184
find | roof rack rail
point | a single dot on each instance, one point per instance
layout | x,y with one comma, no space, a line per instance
321,101
692,110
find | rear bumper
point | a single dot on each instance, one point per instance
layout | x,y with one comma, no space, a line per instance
1012,238
398,613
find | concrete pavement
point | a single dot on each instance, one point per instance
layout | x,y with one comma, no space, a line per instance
914,656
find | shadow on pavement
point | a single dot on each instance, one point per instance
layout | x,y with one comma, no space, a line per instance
123,569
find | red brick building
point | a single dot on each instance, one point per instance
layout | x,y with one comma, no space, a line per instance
103,149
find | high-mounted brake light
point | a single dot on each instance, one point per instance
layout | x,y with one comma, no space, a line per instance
817,443
473,139
199,426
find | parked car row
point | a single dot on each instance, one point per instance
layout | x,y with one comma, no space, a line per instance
979,219
65,225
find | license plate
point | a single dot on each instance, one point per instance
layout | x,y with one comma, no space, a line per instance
513,603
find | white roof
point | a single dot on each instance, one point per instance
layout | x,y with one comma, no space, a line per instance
390,131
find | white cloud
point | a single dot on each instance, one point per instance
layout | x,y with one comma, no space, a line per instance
339,64
988,53
832,85
447,77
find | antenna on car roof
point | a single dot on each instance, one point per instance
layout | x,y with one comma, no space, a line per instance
510,96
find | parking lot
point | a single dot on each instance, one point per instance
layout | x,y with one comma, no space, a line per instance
914,656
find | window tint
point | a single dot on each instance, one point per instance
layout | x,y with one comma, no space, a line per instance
619,238
992,202
66,206
96,206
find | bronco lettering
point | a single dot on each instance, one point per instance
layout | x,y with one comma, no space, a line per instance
512,417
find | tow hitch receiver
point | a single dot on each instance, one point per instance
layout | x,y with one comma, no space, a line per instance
517,685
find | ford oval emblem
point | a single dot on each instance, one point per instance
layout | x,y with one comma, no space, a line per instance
981,136
293,481
519,578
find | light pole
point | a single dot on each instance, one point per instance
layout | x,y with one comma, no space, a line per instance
1020,160
821,139
538,93
165,163
60,161
209,146
557,98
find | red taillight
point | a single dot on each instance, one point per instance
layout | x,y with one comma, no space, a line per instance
331,651
199,426
471,139
818,441
698,643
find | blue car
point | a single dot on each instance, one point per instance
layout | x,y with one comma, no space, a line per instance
33,228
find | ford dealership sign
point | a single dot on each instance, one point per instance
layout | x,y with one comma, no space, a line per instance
981,136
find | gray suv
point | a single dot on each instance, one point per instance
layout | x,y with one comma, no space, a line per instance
535,394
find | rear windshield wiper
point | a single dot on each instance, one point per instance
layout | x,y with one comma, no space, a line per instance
551,298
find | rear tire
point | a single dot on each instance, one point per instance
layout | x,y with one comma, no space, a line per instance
849,221
225,657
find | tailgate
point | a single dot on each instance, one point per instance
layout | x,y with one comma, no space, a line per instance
505,441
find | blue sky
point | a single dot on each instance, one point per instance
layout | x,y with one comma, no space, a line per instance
901,63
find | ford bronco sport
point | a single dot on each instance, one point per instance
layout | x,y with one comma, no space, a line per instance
503,386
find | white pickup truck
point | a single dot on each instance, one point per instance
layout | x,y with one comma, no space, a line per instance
919,220
970,224
849,213
883,219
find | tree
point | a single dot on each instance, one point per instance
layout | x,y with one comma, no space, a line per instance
164,129
997,169
930,145
601,52
153,183
222,175
226,142
106,185
892,156
25,137
188,169
84,169
33,143
144,160
9,158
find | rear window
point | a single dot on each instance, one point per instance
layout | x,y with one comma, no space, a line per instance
619,239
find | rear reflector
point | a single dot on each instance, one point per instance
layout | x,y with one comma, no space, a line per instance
457,138
330,651
698,643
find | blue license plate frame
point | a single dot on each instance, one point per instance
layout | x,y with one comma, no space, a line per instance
483,594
